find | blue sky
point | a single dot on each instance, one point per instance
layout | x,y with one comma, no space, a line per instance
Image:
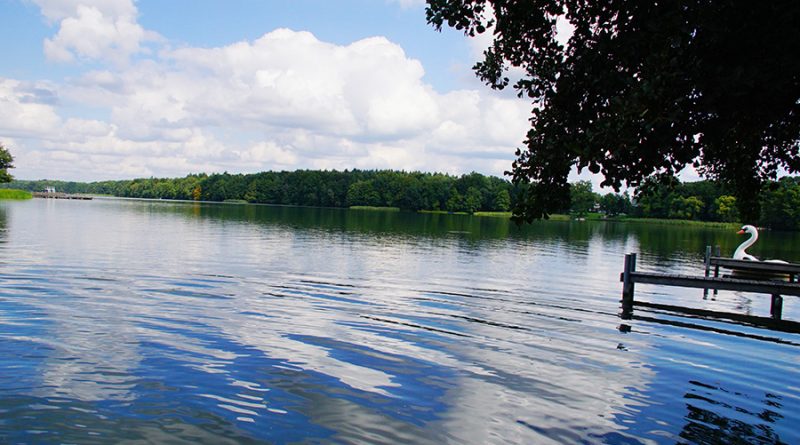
112,89
209,23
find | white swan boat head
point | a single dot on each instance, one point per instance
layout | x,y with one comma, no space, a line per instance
741,251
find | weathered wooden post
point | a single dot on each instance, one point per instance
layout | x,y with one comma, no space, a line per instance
717,253
776,307
708,269
628,284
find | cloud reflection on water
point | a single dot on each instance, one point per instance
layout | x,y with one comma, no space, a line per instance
366,335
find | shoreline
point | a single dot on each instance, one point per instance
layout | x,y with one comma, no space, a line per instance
481,214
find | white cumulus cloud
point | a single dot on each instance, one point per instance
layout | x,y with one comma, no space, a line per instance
94,30
285,100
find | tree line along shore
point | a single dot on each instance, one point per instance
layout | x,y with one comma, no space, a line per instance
471,193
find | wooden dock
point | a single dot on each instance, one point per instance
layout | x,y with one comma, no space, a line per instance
775,288
59,195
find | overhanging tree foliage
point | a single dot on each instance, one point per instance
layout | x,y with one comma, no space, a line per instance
643,89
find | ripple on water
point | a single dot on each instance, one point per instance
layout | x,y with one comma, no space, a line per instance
171,323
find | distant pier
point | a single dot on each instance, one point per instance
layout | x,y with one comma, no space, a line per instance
60,195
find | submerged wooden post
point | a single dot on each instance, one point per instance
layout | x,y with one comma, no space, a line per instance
627,283
776,307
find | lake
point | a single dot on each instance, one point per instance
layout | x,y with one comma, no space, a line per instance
156,322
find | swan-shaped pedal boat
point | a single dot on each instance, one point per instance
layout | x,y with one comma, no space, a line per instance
741,254
741,251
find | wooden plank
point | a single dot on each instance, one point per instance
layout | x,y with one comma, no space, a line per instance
756,266
765,287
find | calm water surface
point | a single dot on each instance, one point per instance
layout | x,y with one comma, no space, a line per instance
153,322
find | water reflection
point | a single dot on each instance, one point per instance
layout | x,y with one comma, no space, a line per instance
3,225
752,423
202,323
661,241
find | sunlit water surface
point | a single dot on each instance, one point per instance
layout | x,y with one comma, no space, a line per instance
200,323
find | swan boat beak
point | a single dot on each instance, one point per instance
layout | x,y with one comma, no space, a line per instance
741,232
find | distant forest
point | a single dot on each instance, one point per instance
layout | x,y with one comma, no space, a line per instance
378,188
473,192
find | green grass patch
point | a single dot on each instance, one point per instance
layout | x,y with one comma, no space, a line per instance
14,194
591,216
506,215
442,212
678,222
376,208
